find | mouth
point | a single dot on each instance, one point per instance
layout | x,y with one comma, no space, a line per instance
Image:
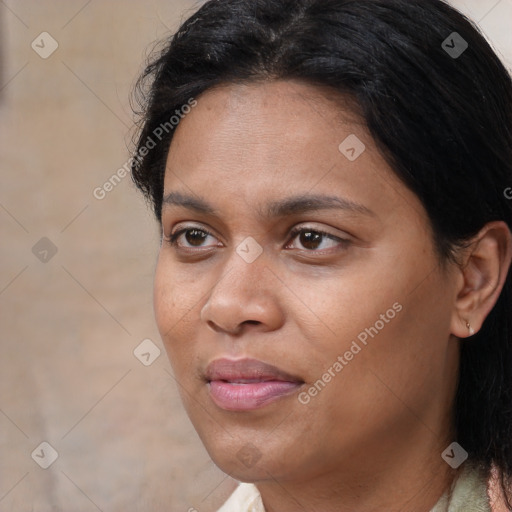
247,384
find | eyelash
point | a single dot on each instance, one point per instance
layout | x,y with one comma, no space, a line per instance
172,239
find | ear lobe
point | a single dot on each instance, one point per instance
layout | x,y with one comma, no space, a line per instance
482,277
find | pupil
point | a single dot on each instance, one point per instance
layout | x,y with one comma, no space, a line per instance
309,238
190,235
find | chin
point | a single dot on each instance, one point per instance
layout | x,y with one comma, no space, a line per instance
240,459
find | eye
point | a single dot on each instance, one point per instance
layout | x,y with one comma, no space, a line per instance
311,238
193,236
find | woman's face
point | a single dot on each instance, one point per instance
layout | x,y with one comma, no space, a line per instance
355,323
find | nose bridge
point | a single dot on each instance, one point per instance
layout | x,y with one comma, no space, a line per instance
240,293
244,269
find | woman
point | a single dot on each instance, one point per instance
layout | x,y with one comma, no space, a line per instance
333,286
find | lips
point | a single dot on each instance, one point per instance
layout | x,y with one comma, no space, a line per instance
238,370
246,384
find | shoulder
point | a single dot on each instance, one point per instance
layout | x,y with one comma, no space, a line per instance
469,491
245,498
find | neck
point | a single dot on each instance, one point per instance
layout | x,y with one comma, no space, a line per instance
404,479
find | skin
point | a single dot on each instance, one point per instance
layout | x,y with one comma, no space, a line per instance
372,438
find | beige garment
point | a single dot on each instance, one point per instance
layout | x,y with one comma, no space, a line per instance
468,493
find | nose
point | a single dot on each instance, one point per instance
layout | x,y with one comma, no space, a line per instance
246,295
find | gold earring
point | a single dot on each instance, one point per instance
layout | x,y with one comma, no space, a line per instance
471,330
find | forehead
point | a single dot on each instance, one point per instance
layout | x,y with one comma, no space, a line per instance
246,130
243,143
276,104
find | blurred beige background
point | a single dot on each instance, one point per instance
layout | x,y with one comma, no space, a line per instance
71,319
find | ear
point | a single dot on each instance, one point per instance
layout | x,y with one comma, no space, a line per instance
486,263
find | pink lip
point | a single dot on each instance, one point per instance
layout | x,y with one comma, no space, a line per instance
247,384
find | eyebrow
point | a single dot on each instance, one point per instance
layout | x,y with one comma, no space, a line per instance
289,206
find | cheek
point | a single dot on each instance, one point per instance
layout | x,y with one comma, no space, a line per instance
164,298
174,292
401,365
392,335
173,305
